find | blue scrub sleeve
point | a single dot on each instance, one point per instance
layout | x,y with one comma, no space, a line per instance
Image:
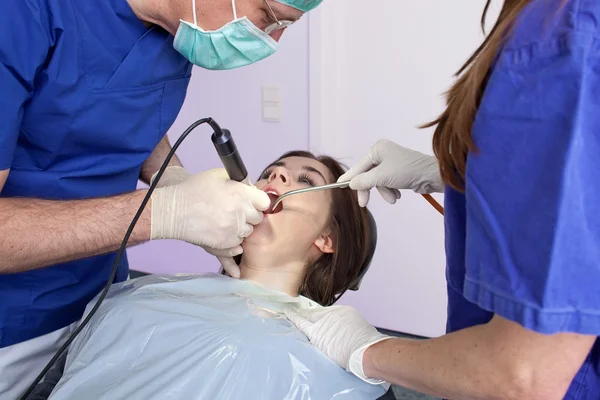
533,189
24,46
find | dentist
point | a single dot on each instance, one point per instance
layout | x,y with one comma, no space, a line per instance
88,92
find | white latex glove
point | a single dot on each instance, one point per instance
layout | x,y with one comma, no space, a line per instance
390,168
340,333
174,175
211,211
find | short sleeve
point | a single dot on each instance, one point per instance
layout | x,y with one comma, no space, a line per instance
24,46
533,189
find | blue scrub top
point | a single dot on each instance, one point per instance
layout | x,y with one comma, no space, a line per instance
86,93
523,241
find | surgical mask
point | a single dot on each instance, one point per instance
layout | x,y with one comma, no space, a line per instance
236,44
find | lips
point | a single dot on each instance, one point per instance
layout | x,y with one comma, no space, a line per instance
273,195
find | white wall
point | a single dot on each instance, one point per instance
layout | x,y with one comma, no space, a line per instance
234,98
378,70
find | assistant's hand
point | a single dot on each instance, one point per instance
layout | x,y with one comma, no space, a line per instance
209,210
390,168
340,333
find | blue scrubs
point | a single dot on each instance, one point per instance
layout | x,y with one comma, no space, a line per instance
86,93
524,240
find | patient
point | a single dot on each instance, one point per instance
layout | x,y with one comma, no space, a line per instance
215,337
315,243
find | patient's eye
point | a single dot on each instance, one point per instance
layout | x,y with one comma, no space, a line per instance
304,178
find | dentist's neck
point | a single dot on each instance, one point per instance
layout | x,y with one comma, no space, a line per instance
285,278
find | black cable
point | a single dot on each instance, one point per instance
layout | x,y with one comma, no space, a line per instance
115,268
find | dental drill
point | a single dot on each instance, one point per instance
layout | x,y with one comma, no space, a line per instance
230,156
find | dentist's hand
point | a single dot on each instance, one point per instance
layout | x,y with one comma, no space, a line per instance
209,210
174,175
171,176
390,168
340,333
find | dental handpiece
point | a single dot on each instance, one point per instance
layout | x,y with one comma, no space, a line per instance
230,156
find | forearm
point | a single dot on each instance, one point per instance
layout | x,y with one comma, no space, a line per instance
37,233
156,159
461,365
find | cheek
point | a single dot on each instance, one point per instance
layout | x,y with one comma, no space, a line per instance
214,21
257,17
313,212
317,204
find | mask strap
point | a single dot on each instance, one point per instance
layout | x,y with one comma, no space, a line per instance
234,11
194,11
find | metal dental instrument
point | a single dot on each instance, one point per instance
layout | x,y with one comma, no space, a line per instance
274,205
306,190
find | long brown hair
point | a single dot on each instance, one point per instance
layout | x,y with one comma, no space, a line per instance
333,273
452,138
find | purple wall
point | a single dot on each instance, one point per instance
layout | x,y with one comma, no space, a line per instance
234,99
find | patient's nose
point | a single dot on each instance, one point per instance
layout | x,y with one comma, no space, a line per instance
280,173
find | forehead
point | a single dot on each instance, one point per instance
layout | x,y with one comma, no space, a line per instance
301,163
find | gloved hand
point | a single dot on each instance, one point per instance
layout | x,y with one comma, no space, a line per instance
172,176
390,167
209,210
339,332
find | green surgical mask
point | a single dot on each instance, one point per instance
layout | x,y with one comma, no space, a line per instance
236,44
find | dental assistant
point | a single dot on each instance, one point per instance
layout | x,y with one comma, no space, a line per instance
88,90
518,148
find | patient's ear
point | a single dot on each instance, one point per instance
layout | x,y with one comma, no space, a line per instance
325,243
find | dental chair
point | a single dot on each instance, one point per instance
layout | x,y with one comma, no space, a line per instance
44,388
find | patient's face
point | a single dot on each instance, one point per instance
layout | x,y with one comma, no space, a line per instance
300,228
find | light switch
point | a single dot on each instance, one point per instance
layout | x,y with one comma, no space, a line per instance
271,112
271,94
271,104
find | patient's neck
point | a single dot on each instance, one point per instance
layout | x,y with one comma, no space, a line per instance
284,277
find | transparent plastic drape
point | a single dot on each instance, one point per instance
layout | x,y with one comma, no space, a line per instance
200,337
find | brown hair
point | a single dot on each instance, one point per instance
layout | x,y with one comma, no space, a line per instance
452,138
331,275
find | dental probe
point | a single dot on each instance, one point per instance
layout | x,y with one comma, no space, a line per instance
274,205
306,190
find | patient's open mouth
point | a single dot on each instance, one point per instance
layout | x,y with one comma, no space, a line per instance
274,196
